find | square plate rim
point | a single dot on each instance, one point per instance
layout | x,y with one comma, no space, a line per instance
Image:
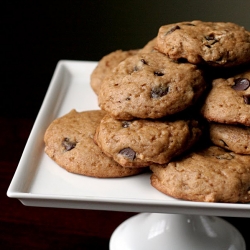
27,198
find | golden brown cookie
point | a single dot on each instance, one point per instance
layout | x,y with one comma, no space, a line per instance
210,175
105,66
149,47
229,100
140,142
214,43
69,142
231,137
150,85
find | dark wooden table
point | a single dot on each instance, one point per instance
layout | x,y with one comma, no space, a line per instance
23,227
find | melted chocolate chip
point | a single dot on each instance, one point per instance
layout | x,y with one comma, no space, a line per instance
128,153
158,73
158,92
247,99
67,144
125,124
172,29
241,84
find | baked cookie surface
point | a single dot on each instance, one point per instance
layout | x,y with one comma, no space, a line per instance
231,137
211,175
69,142
229,100
150,85
139,142
215,43
105,66
149,46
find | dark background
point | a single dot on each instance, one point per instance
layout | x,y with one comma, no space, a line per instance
35,35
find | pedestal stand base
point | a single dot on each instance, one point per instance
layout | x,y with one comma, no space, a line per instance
151,231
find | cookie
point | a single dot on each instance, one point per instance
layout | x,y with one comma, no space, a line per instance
69,142
229,100
231,137
222,44
210,175
105,66
150,85
140,142
149,47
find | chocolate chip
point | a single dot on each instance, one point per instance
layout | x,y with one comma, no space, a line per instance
210,37
211,40
125,124
158,73
247,99
176,27
241,84
128,153
140,64
67,144
158,92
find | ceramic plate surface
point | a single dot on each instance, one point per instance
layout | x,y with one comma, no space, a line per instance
38,181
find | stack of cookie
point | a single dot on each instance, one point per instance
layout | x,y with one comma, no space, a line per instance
187,88
142,97
220,172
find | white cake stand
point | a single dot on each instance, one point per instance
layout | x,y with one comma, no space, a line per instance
162,222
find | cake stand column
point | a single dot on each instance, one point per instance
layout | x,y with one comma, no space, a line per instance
152,231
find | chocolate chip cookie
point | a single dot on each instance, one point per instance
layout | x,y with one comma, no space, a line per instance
221,44
150,85
105,66
231,137
210,175
229,100
149,47
139,142
69,142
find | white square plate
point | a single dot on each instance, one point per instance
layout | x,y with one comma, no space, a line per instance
38,181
